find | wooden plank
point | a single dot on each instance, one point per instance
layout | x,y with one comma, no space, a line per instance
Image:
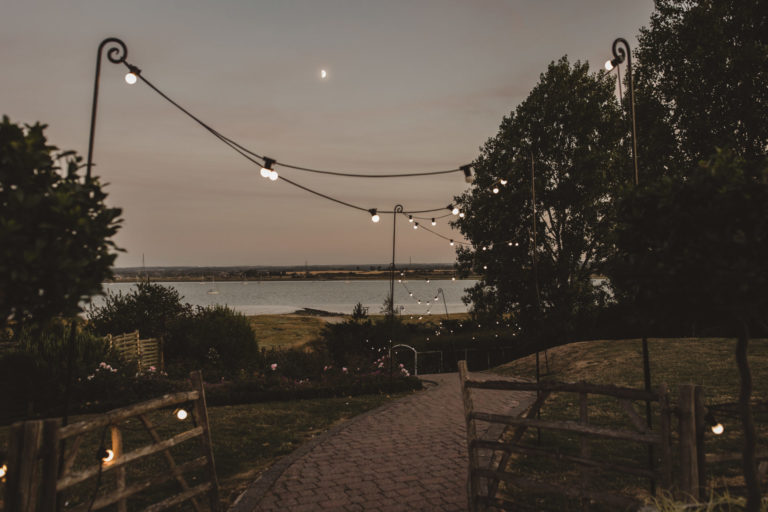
471,433
15,442
569,426
177,474
493,485
557,456
665,432
734,457
118,415
579,387
689,475
50,452
71,455
201,417
180,498
29,478
76,478
638,422
117,449
110,498
616,500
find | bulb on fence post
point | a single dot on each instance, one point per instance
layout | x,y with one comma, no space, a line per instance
181,414
107,456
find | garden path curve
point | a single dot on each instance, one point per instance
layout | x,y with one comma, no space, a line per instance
408,455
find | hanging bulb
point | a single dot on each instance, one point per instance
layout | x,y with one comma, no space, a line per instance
181,414
374,215
131,78
495,190
485,248
467,173
434,222
451,243
461,215
415,225
608,65
107,456
266,169
503,181
273,175
509,244
454,210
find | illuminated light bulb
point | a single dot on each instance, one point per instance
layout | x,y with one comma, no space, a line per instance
273,175
266,169
419,301
181,414
427,279
451,243
131,78
453,278
434,222
718,429
608,65
415,225
410,294
410,218
454,210
495,190
503,181
374,215
510,244
461,215
3,471
485,248
107,456
485,267
436,301
517,244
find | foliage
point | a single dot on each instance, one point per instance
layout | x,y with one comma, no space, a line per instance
695,248
705,63
34,367
216,338
357,343
151,308
566,133
55,229
360,312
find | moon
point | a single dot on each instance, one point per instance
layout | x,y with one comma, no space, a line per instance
323,74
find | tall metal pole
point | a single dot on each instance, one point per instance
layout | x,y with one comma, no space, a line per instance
116,54
397,209
619,55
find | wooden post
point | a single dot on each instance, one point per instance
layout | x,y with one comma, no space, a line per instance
23,478
474,463
201,417
666,440
117,449
700,410
584,447
51,463
689,467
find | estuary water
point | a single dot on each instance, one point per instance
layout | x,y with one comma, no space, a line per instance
277,297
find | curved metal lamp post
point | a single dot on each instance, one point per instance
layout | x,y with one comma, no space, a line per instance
116,54
397,209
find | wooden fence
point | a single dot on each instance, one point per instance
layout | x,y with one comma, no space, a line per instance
41,468
148,353
637,432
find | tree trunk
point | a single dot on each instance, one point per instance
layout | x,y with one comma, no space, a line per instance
749,464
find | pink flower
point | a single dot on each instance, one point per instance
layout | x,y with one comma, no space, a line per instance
273,366
344,369
152,369
402,365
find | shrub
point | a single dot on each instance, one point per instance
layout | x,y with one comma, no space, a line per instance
217,339
151,308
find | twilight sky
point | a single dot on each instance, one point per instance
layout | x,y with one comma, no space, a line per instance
413,85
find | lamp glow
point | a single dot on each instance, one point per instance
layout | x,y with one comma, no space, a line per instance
718,429
265,172
461,215
273,175
131,78
181,414
415,225
608,65
410,218
266,169
495,190
3,471
434,222
374,216
107,456
503,181
451,243
454,210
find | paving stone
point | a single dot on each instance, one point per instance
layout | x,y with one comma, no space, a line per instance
409,455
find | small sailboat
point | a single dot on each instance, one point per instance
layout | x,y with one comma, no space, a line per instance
213,290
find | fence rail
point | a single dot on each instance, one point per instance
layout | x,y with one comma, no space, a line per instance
41,466
147,353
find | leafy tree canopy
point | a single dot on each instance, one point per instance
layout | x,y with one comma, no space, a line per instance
706,63
55,229
568,133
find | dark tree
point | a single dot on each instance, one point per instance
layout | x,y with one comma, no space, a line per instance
55,229
706,63
568,135
695,250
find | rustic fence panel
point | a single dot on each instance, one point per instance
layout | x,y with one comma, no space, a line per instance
146,352
483,497
41,468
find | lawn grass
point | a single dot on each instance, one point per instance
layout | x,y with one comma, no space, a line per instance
285,331
708,362
247,439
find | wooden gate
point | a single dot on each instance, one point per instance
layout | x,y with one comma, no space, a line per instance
483,483
42,470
